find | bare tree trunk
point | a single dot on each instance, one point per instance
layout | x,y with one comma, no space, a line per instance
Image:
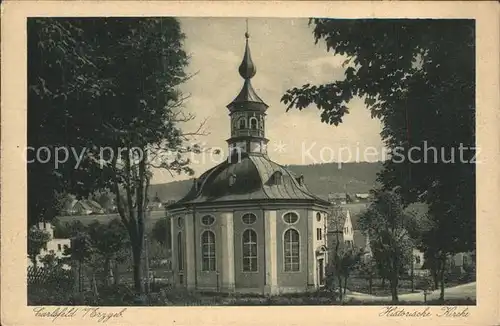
339,278
370,284
383,283
116,277
441,276
107,269
394,288
394,281
137,268
345,284
435,278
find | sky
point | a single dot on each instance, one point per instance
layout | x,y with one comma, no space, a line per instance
286,56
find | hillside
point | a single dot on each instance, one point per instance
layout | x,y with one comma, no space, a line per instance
321,179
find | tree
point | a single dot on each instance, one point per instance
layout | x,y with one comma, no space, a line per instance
109,241
106,200
80,251
50,260
161,232
345,257
115,96
418,78
386,223
368,268
37,240
63,83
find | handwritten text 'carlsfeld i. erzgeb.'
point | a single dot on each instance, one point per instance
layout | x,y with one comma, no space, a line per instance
89,313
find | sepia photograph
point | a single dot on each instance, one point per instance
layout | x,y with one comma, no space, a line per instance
193,159
347,175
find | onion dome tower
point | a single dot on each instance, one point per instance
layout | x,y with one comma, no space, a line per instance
247,112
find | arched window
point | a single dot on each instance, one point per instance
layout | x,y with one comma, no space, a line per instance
253,123
291,248
180,252
249,251
249,218
242,123
207,220
318,217
208,251
290,218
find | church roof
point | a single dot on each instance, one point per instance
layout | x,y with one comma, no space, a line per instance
253,180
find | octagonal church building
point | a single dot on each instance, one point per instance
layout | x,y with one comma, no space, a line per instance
249,224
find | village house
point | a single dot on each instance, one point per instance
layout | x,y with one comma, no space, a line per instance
54,246
249,224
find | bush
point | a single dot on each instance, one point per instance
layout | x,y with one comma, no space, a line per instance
39,295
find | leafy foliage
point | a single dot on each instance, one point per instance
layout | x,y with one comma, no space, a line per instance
37,240
161,231
418,77
106,88
386,223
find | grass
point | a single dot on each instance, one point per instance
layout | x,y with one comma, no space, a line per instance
165,295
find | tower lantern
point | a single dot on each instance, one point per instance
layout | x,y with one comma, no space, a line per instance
247,112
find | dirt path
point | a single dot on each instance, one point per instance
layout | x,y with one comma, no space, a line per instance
457,292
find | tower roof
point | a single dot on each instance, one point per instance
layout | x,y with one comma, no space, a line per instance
247,70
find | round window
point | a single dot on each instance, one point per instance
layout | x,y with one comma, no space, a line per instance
249,218
290,218
180,222
207,220
318,217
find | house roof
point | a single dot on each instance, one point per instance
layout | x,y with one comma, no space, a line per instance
84,205
337,196
252,182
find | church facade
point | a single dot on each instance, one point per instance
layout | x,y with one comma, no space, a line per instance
249,224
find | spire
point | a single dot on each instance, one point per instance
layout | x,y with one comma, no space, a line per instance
247,68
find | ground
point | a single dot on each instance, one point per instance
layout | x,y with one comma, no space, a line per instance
454,293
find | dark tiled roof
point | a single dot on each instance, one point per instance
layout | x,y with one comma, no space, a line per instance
253,182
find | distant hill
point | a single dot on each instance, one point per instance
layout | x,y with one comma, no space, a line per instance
321,179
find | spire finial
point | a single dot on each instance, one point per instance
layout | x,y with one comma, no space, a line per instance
247,68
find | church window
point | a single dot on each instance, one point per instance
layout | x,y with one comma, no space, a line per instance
253,123
180,253
208,251
291,247
318,217
180,222
249,218
291,218
249,251
207,220
242,123
319,234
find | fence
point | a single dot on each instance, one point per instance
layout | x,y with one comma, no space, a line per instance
50,276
